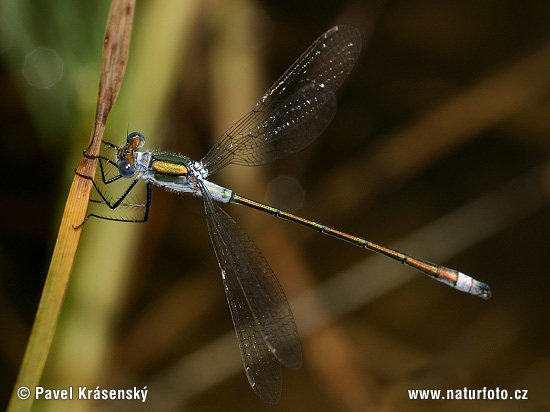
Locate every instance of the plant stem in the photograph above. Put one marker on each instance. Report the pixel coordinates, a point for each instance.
(115, 57)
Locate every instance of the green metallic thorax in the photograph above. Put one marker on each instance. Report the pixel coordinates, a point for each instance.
(170, 165)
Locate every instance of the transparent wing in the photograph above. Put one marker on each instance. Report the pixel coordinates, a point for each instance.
(263, 321)
(262, 369)
(295, 110)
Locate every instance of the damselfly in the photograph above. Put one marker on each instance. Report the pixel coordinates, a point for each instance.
(291, 115)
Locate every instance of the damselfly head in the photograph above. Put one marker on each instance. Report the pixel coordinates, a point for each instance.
(135, 140)
(127, 154)
(126, 168)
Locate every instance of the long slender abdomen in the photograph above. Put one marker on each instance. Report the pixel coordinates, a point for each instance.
(451, 277)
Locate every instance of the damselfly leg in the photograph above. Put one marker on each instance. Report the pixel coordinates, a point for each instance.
(119, 201)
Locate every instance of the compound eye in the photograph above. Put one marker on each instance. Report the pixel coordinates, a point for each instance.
(136, 140)
(126, 169)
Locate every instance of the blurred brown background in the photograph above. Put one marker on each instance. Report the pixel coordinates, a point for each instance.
(440, 145)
